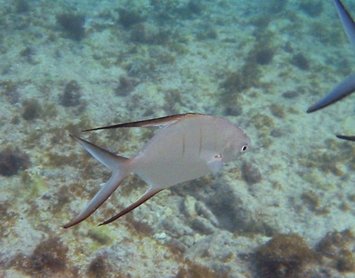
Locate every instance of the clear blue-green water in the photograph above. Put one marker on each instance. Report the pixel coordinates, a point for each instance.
(285, 208)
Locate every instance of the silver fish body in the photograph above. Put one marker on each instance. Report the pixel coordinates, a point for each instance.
(185, 147)
(188, 149)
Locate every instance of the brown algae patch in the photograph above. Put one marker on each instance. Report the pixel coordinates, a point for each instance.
(13, 160)
(337, 249)
(284, 256)
(98, 267)
(290, 256)
(193, 270)
(48, 258)
(327, 161)
(31, 110)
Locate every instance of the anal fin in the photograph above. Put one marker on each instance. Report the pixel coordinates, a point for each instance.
(146, 196)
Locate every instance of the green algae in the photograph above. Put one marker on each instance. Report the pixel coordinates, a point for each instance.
(277, 110)
(313, 202)
(101, 235)
(249, 75)
(36, 184)
(315, 179)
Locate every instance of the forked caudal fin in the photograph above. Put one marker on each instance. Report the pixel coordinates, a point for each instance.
(346, 20)
(343, 89)
(347, 86)
(120, 169)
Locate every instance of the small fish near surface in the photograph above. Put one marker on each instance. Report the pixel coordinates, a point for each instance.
(185, 147)
(347, 86)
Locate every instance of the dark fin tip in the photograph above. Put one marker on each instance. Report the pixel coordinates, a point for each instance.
(344, 137)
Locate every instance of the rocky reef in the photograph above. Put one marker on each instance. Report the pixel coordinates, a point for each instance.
(283, 209)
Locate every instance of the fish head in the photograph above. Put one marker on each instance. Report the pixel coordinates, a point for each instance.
(236, 143)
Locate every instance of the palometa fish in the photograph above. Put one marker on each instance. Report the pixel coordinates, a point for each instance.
(186, 147)
(347, 86)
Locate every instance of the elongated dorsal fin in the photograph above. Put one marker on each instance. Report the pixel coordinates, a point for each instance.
(156, 122)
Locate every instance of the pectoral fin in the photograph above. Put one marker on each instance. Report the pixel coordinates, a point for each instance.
(215, 164)
(146, 196)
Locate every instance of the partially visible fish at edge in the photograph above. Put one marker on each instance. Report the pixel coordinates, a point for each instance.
(185, 147)
(347, 86)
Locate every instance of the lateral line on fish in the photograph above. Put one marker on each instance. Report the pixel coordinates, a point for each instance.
(200, 142)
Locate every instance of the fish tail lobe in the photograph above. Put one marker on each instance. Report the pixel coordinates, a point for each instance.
(120, 167)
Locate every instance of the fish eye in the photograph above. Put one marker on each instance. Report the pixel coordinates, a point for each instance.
(244, 148)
